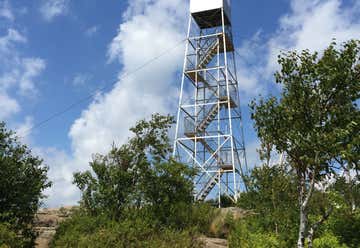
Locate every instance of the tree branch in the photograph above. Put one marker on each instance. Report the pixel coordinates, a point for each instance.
(316, 225)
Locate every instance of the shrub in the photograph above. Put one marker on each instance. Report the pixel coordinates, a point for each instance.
(328, 240)
(140, 174)
(346, 226)
(89, 231)
(137, 196)
(245, 237)
(8, 238)
(202, 216)
(272, 195)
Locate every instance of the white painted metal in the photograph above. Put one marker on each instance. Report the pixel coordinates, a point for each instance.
(182, 86)
(205, 5)
(209, 133)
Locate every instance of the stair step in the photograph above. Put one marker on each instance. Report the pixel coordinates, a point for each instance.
(209, 56)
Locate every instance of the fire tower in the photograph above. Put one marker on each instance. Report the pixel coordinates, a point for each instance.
(209, 134)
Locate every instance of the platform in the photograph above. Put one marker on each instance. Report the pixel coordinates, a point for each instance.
(210, 18)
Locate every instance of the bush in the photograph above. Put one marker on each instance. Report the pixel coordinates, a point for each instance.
(137, 196)
(346, 226)
(9, 238)
(140, 175)
(272, 195)
(86, 231)
(202, 217)
(328, 240)
(245, 237)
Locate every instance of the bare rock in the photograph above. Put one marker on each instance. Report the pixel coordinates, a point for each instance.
(214, 242)
(46, 222)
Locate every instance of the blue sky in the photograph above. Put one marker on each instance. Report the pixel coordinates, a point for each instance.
(55, 52)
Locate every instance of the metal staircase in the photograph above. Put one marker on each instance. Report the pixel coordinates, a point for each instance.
(206, 55)
(205, 116)
(203, 123)
(209, 54)
(200, 130)
(209, 109)
(205, 191)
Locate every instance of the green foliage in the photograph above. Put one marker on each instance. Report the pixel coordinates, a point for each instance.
(316, 121)
(346, 226)
(202, 216)
(328, 241)
(23, 179)
(9, 238)
(140, 174)
(349, 191)
(137, 230)
(272, 196)
(136, 196)
(245, 235)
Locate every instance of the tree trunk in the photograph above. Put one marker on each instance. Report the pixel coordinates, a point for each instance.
(302, 227)
(303, 215)
(304, 198)
(310, 238)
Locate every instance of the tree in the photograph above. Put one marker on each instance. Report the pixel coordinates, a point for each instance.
(23, 179)
(271, 196)
(316, 121)
(139, 175)
(137, 196)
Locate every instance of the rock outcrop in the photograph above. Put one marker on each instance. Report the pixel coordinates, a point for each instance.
(214, 242)
(46, 222)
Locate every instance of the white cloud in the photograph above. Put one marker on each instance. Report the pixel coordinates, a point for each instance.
(81, 79)
(63, 192)
(17, 73)
(22, 74)
(151, 89)
(141, 37)
(5, 11)
(54, 8)
(92, 31)
(312, 25)
(22, 129)
(309, 25)
(8, 106)
(32, 67)
(8, 42)
(249, 69)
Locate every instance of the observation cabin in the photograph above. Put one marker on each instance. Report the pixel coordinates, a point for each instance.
(207, 13)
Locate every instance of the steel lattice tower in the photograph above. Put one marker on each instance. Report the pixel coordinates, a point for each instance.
(209, 134)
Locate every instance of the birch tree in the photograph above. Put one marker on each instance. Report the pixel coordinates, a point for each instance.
(315, 121)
